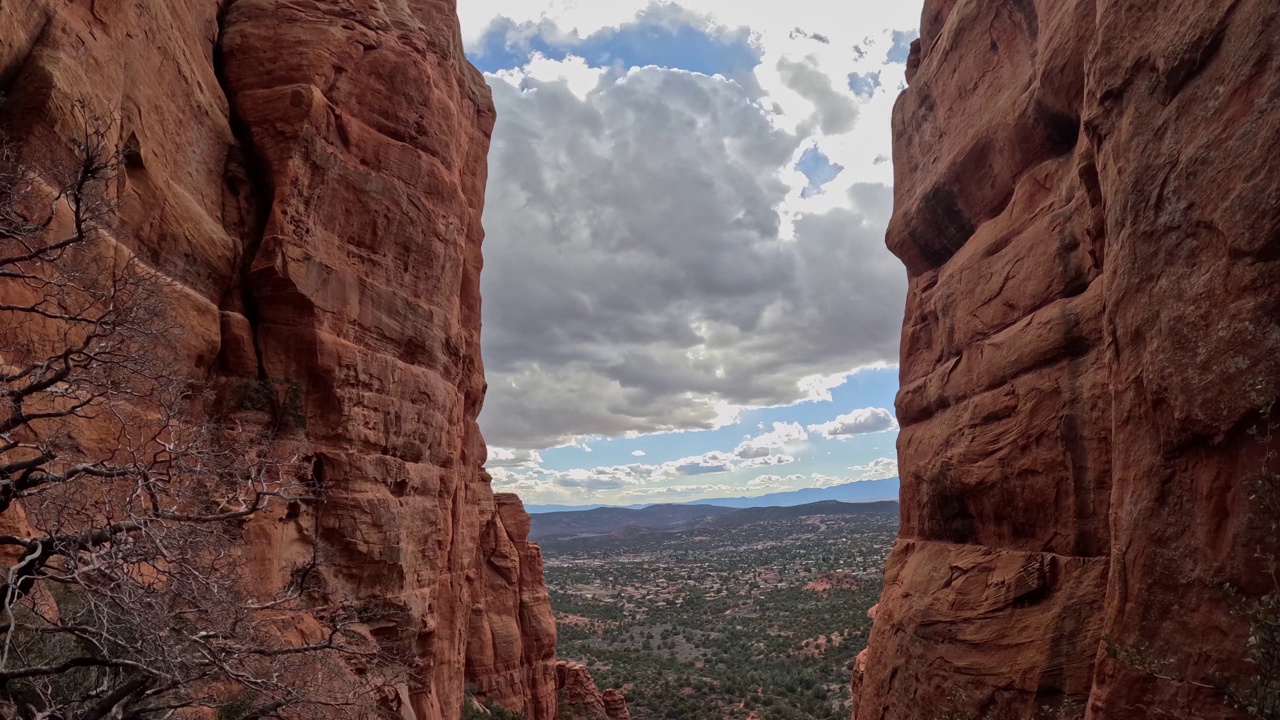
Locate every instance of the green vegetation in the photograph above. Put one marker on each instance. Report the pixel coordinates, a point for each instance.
(758, 621)
(282, 399)
(1068, 710)
(1260, 697)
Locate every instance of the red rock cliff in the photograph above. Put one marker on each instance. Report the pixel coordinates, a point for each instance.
(312, 174)
(1088, 207)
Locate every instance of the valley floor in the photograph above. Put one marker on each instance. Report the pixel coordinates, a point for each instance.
(759, 621)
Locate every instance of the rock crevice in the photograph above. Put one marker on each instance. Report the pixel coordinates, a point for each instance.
(246, 206)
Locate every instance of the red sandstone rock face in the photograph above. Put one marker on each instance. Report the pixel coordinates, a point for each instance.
(578, 691)
(312, 175)
(1087, 208)
(511, 646)
(582, 699)
(615, 706)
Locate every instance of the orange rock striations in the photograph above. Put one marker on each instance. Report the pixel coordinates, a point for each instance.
(1087, 205)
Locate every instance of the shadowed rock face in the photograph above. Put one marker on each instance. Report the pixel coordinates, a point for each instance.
(312, 175)
(1088, 206)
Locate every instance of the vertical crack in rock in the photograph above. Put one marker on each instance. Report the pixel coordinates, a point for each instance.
(247, 184)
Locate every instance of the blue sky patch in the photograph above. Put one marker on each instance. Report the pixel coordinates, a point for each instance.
(819, 169)
(901, 49)
(870, 387)
(648, 41)
(864, 85)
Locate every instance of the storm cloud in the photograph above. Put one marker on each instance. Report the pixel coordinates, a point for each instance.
(642, 271)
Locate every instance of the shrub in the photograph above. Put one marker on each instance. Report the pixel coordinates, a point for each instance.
(283, 399)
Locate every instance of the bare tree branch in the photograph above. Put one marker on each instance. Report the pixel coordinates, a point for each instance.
(126, 491)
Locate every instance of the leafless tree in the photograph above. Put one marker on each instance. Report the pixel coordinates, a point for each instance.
(124, 491)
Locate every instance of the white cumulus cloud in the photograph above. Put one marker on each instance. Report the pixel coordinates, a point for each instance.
(782, 435)
(877, 469)
(500, 457)
(858, 422)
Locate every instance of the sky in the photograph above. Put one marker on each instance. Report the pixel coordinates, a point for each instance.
(686, 289)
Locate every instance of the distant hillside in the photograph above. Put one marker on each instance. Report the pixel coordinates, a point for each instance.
(536, 509)
(747, 516)
(670, 518)
(854, 492)
(605, 520)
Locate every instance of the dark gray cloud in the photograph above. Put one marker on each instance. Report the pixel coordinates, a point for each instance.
(708, 464)
(816, 37)
(834, 110)
(636, 272)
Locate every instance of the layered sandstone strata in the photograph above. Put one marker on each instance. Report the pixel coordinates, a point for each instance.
(312, 174)
(511, 643)
(582, 699)
(1087, 202)
(615, 705)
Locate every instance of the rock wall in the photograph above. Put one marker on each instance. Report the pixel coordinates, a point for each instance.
(511, 648)
(1087, 203)
(312, 176)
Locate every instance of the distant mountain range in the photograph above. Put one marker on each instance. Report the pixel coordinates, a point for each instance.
(747, 516)
(668, 518)
(605, 520)
(855, 492)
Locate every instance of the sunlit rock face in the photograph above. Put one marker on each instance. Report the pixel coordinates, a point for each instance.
(1087, 205)
(312, 177)
(511, 642)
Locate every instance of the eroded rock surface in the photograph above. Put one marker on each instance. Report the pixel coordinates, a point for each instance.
(312, 174)
(615, 705)
(511, 646)
(1089, 211)
(582, 699)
